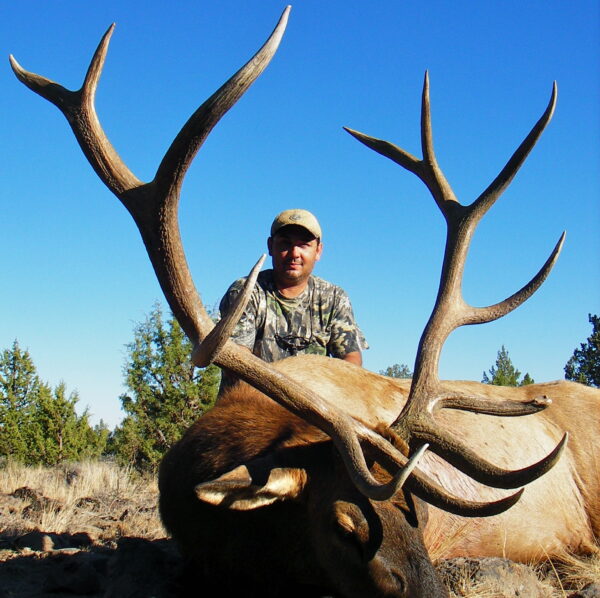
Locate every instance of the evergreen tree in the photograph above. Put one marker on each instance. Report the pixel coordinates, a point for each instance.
(38, 424)
(166, 394)
(527, 379)
(584, 365)
(19, 389)
(504, 372)
(58, 433)
(397, 370)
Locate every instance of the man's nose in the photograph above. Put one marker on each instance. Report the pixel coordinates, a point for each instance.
(295, 251)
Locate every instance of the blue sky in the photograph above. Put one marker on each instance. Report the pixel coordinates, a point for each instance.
(76, 276)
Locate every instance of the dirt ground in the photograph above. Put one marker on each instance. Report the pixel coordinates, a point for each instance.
(93, 531)
(83, 530)
(134, 567)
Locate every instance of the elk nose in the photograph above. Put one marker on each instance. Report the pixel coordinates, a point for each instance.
(392, 583)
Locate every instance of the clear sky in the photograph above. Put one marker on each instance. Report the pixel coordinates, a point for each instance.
(75, 275)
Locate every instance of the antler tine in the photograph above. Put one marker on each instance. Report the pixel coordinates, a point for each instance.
(90, 83)
(446, 445)
(426, 169)
(483, 203)
(78, 108)
(434, 495)
(207, 351)
(431, 174)
(482, 315)
(423, 486)
(428, 490)
(180, 154)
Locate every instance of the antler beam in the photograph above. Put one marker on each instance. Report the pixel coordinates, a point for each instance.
(153, 206)
(416, 423)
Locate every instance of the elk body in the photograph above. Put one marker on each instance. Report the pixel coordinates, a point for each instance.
(558, 512)
(312, 476)
(258, 499)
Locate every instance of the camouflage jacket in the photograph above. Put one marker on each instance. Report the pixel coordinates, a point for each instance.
(320, 320)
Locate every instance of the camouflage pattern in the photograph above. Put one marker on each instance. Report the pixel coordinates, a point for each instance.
(320, 320)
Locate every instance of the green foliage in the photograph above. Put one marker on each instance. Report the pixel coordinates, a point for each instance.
(38, 424)
(166, 392)
(584, 365)
(504, 372)
(19, 389)
(59, 434)
(398, 370)
(527, 379)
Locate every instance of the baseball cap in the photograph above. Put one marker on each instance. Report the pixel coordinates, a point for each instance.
(298, 217)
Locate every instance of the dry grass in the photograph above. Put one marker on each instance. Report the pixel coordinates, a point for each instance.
(109, 502)
(96, 497)
(571, 573)
(556, 578)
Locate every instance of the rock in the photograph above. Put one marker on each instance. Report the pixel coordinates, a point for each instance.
(37, 501)
(47, 541)
(74, 576)
(78, 540)
(88, 502)
(72, 474)
(501, 577)
(25, 493)
(35, 540)
(592, 590)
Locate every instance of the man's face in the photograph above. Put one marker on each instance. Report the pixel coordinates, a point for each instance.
(294, 251)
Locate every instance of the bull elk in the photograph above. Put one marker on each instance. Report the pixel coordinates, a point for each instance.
(305, 477)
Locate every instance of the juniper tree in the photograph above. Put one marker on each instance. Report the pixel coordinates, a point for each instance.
(39, 424)
(397, 370)
(19, 388)
(166, 392)
(504, 372)
(58, 433)
(584, 365)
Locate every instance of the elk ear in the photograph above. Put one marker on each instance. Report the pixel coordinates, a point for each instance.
(239, 490)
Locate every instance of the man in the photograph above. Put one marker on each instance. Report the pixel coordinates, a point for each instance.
(290, 310)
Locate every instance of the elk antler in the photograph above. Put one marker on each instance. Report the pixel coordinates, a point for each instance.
(416, 423)
(153, 206)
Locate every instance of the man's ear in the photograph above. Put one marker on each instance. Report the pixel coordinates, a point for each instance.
(319, 250)
(270, 245)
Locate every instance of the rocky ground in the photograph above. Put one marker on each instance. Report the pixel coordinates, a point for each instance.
(92, 530)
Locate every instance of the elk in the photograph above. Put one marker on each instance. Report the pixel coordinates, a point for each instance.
(306, 477)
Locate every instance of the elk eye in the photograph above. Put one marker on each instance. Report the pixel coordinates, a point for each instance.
(347, 535)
